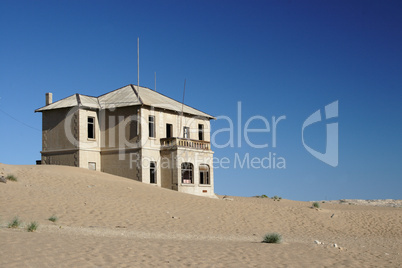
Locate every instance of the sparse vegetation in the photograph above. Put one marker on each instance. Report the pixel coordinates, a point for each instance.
(276, 198)
(316, 205)
(32, 226)
(261, 196)
(15, 223)
(11, 177)
(53, 218)
(274, 238)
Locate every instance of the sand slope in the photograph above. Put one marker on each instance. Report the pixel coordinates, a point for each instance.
(109, 221)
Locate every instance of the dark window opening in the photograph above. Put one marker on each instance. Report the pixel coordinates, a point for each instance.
(152, 168)
(169, 130)
(204, 174)
(151, 120)
(91, 127)
(186, 132)
(201, 132)
(187, 173)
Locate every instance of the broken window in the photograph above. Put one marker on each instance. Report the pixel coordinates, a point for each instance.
(201, 132)
(152, 168)
(186, 132)
(204, 174)
(91, 127)
(187, 173)
(169, 130)
(151, 120)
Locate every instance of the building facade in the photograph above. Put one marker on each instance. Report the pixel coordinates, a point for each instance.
(132, 132)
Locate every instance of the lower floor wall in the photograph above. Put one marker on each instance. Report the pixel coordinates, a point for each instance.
(124, 164)
(183, 170)
(65, 159)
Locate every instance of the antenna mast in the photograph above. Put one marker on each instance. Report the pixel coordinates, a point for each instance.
(182, 107)
(138, 63)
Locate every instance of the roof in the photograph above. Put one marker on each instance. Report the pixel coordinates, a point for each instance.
(129, 95)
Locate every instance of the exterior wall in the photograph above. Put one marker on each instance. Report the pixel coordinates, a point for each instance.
(122, 145)
(196, 158)
(119, 128)
(178, 122)
(62, 158)
(89, 149)
(55, 134)
(122, 163)
(168, 167)
(148, 156)
(59, 133)
(169, 161)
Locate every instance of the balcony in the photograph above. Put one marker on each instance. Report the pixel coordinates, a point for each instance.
(174, 143)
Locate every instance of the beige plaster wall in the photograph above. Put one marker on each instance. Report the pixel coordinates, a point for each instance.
(55, 133)
(123, 163)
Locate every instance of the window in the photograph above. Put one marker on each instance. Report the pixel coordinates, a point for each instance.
(204, 174)
(91, 127)
(169, 130)
(151, 120)
(200, 132)
(152, 168)
(92, 165)
(186, 132)
(187, 173)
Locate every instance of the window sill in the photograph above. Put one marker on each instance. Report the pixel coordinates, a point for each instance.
(204, 185)
(91, 139)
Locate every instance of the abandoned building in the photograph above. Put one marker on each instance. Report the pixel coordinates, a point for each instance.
(134, 132)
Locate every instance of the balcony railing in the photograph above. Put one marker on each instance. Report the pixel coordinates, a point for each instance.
(174, 143)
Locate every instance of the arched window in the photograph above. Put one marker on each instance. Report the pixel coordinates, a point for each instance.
(204, 174)
(187, 173)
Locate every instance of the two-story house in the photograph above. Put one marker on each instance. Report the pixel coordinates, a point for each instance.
(133, 132)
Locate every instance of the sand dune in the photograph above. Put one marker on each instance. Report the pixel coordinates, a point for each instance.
(109, 221)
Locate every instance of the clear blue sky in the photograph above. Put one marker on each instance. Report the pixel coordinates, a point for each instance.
(277, 58)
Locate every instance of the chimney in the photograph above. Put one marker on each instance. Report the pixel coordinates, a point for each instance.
(49, 98)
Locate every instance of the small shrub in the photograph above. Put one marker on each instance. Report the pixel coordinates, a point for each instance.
(261, 196)
(53, 218)
(276, 198)
(274, 238)
(316, 205)
(15, 223)
(11, 177)
(32, 226)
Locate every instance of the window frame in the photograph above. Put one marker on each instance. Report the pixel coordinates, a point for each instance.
(151, 126)
(186, 132)
(201, 132)
(169, 130)
(187, 167)
(152, 173)
(93, 136)
(203, 172)
(93, 164)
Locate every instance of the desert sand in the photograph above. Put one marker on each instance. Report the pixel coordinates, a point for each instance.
(109, 221)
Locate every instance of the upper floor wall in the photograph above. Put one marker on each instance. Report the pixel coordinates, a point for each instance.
(159, 124)
(124, 127)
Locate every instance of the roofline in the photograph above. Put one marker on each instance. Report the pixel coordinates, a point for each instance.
(212, 117)
(135, 92)
(36, 111)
